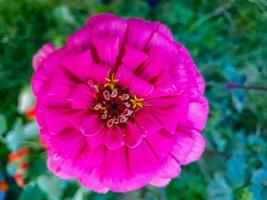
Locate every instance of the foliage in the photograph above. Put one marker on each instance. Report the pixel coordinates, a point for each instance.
(227, 39)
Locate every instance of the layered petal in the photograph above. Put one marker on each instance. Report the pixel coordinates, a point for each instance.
(42, 54)
(129, 72)
(91, 125)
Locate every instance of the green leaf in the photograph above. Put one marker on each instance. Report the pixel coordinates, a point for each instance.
(50, 185)
(259, 177)
(3, 124)
(15, 136)
(20, 133)
(81, 194)
(219, 189)
(32, 191)
(236, 169)
(26, 100)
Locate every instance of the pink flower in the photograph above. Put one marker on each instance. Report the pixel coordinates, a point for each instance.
(120, 105)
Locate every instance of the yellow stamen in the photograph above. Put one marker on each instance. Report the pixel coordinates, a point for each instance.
(111, 82)
(137, 102)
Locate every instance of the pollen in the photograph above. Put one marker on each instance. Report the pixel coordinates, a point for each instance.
(115, 105)
(137, 102)
(111, 82)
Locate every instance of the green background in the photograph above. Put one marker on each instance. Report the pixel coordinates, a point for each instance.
(228, 41)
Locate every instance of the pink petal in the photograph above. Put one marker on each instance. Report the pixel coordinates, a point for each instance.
(137, 86)
(179, 75)
(197, 114)
(170, 168)
(81, 65)
(119, 173)
(79, 40)
(52, 120)
(114, 168)
(138, 164)
(107, 25)
(91, 125)
(81, 97)
(96, 157)
(189, 147)
(57, 92)
(96, 184)
(42, 54)
(161, 142)
(160, 182)
(167, 116)
(132, 135)
(52, 62)
(147, 122)
(107, 49)
(174, 108)
(96, 140)
(69, 143)
(160, 45)
(56, 124)
(75, 118)
(152, 68)
(113, 138)
(59, 165)
(39, 80)
(136, 28)
(132, 57)
(49, 66)
(164, 30)
(166, 84)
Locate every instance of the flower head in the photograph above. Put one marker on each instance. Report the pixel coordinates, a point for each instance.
(120, 105)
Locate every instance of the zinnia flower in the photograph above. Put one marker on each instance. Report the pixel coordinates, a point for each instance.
(120, 105)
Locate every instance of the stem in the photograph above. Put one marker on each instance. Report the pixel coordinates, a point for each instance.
(232, 86)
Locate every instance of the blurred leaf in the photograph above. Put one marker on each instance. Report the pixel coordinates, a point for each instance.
(219, 189)
(236, 169)
(31, 130)
(26, 100)
(32, 191)
(81, 194)
(50, 186)
(20, 133)
(239, 99)
(15, 136)
(3, 124)
(259, 177)
(244, 194)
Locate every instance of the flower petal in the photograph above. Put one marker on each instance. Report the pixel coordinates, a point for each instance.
(91, 125)
(132, 57)
(138, 27)
(161, 142)
(96, 140)
(136, 85)
(107, 25)
(42, 54)
(152, 68)
(189, 147)
(113, 138)
(81, 97)
(79, 40)
(79, 64)
(197, 114)
(132, 135)
(107, 49)
(82, 66)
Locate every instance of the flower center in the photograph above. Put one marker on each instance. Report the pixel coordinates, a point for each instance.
(115, 105)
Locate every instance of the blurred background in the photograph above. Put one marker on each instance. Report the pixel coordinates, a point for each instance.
(228, 41)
